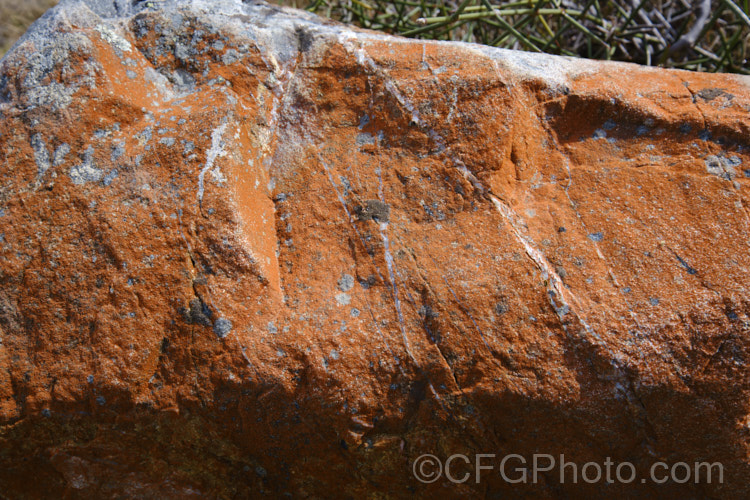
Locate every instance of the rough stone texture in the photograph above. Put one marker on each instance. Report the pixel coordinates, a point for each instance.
(245, 251)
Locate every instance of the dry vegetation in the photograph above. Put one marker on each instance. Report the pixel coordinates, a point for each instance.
(702, 35)
(16, 16)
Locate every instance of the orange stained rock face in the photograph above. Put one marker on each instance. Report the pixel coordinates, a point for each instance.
(244, 251)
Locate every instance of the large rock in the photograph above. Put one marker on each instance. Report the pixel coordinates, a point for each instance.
(247, 251)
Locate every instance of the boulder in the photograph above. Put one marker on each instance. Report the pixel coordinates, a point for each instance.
(245, 251)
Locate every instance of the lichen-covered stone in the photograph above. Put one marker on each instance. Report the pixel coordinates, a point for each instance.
(246, 251)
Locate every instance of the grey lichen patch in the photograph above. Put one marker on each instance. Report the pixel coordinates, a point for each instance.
(183, 81)
(86, 171)
(721, 166)
(596, 237)
(145, 135)
(374, 210)
(343, 299)
(502, 307)
(222, 327)
(231, 56)
(47, 56)
(710, 94)
(60, 153)
(345, 282)
(183, 52)
(161, 83)
(560, 270)
(111, 175)
(364, 138)
(102, 133)
(41, 155)
(118, 150)
(600, 134)
(115, 40)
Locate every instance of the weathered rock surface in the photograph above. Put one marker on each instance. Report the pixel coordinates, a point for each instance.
(245, 251)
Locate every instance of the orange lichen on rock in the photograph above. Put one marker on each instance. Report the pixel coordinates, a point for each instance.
(246, 251)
